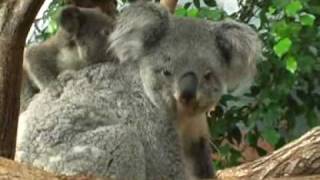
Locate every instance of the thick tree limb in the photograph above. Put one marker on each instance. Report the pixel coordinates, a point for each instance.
(16, 17)
(15, 171)
(300, 157)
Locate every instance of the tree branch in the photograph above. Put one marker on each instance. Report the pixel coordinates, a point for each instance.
(16, 17)
(15, 171)
(300, 157)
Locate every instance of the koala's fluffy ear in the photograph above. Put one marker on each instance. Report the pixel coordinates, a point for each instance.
(69, 19)
(138, 28)
(240, 47)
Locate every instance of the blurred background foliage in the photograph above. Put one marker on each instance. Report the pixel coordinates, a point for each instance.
(284, 101)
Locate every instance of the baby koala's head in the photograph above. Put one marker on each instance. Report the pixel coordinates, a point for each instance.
(83, 30)
(185, 64)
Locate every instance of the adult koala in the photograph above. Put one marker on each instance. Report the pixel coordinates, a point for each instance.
(78, 43)
(144, 119)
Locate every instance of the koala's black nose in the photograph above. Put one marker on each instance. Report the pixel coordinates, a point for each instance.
(188, 87)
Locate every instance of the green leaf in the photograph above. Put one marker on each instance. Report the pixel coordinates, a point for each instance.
(181, 12)
(293, 8)
(192, 12)
(307, 19)
(312, 119)
(280, 4)
(52, 27)
(252, 139)
(281, 28)
(187, 5)
(282, 47)
(284, 29)
(271, 136)
(291, 64)
(271, 10)
(211, 14)
(196, 3)
(210, 3)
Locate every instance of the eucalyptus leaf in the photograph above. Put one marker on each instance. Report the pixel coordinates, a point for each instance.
(293, 8)
(307, 19)
(271, 136)
(282, 47)
(291, 64)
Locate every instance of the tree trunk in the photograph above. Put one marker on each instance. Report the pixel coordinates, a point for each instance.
(16, 17)
(300, 157)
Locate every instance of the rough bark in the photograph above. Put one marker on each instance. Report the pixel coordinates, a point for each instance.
(15, 171)
(16, 17)
(300, 157)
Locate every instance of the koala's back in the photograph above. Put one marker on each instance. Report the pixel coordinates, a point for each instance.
(76, 125)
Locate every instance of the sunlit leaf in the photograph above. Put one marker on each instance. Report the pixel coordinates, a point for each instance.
(282, 47)
(271, 10)
(291, 64)
(293, 8)
(192, 12)
(307, 19)
(181, 12)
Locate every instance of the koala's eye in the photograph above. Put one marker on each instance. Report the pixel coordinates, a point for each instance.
(208, 76)
(166, 73)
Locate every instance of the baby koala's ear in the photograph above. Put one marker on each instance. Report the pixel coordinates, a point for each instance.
(240, 47)
(138, 27)
(69, 19)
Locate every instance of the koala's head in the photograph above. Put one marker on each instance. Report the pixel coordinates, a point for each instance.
(84, 30)
(185, 64)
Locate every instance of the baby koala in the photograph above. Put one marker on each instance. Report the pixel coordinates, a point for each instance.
(186, 65)
(79, 42)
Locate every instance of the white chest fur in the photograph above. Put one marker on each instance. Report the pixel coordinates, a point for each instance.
(72, 58)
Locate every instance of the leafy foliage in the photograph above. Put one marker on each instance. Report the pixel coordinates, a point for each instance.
(46, 25)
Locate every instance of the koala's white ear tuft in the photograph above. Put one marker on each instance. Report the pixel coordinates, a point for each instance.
(139, 27)
(69, 19)
(240, 47)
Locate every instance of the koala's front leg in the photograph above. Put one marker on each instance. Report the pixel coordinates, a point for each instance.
(200, 154)
(40, 67)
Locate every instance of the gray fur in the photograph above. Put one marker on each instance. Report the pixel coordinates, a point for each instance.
(79, 42)
(137, 107)
(217, 57)
(103, 110)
